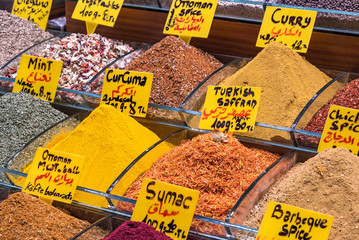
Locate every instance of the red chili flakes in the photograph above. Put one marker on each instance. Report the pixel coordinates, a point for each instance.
(177, 67)
(220, 171)
(348, 96)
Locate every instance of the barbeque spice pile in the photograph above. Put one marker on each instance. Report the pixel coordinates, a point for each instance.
(26, 217)
(220, 171)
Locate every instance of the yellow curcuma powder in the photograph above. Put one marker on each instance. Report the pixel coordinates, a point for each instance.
(110, 141)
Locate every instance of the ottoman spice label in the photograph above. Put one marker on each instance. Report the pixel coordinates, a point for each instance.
(128, 91)
(341, 129)
(282, 221)
(34, 11)
(190, 18)
(38, 77)
(291, 27)
(54, 175)
(230, 109)
(166, 207)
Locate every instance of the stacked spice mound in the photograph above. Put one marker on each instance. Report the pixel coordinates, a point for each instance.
(177, 69)
(26, 217)
(17, 34)
(220, 171)
(326, 183)
(22, 117)
(131, 230)
(288, 82)
(83, 56)
(345, 97)
(110, 141)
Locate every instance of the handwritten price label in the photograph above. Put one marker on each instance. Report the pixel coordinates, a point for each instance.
(38, 77)
(96, 12)
(128, 91)
(54, 175)
(190, 18)
(230, 109)
(341, 129)
(166, 207)
(291, 27)
(34, 11)
(285, 222)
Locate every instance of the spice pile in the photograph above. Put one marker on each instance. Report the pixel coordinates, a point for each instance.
(83, 57)
(177, 69)
(22, 117)
(220, 171)
(16, 35)
(26, 217)
(288, 82)
(131, 230)
(110, 141)
(326, 183)
(345, 97)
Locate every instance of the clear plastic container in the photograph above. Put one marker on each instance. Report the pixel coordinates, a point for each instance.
(311, 139)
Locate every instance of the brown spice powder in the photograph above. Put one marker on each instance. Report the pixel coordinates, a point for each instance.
(326, 183)
(177, 68)
(24, 216)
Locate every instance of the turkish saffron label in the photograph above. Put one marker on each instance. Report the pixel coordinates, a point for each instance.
(285, 222)
(230, 109)
(291, 27)
(166, 207)
(341, 129)
(128, 91)
(38, 77)
(190, 18)
(94, 12)
(54, 175)
(34, 11)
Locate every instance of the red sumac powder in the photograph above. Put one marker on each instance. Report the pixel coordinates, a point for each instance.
(177, 68)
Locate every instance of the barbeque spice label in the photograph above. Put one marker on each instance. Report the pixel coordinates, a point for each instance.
(103, 12)
(190, 18)
(34, 11)
(285, 222)
(341, 129)
(128, 91)
(166, 207)
(38, 77)
(54, 175)
(230, 109)
(291, 27)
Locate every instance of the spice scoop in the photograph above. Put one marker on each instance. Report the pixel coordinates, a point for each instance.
(218, 136)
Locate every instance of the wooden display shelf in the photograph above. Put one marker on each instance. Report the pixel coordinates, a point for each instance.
(227, 37)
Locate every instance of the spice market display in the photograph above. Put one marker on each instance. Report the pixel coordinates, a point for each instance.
(270, 164)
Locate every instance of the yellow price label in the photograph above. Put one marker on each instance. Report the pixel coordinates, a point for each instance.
(38, 77)
(341, 129)
(128, 91)
(285, 222)
(54, 175)
(96, 12)
(291, 27)
(34, 11)
(190, 18)
(166, 207)
(230, 109)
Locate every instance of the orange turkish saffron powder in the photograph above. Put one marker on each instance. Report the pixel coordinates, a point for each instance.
(220, 171)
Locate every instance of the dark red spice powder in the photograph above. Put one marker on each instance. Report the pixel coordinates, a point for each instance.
(348, 96)
(177, 68)
(131, 230)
